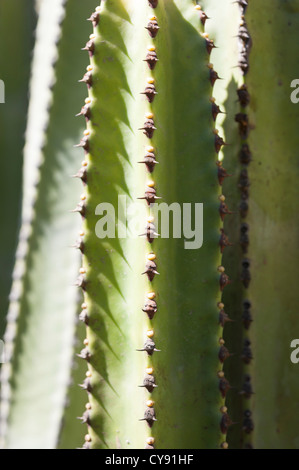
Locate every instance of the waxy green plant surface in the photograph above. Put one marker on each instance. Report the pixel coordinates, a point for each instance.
(167, 120)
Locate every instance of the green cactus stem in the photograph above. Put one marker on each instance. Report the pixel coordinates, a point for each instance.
(273, 221)
(162, 307)
(262, 300)
(41, 320)
(12, 123)
(150, 87)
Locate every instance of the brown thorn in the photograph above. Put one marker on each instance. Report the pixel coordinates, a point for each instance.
(149, 161)
(222, 173)
(203, 17)
(245, 155)
(90, 47)
(247, 352)
(150, 232)
(223, 318)
(149, 383)
(95, 19)
(85, 111)
(244, 237)
(81, 282)
(246, 315)
(151, 270)
(248, 425)
(224, 281)
(153, 3)
(214, 76)
(85, 354)
(223, 354)
(210, 45)
(149, 416)
(247, 390)
(243, 95)
(242, 120)
(149, 346)
(86, 385)
(84, 317)
(150, 93)
(150, 196)
(82, 174)
(87, 78)
(223, 210)
(245, 274)
(243, 4)
(224, 241)
(84, 143)
(244, 183)
(153, 28)
(150, 308)
(80, 208)
(151, 59)
(243, 206)
(224, 386)
(225, 423)
(85, 418)
(215, 111)
(149, 128)
(219, 142)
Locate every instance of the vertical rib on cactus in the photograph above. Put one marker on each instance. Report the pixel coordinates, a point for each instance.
(225, 60)
(43, 301)
(265, 173)
(273, 221)
(187, 369)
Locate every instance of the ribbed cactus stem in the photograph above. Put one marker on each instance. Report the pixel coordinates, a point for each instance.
(33, 159)
(14, 95)
(273, 221)
(150, 136)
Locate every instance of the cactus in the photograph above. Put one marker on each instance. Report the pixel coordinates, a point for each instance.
(46, 235)
(186, 290)
(273, 224)
(262, 296)
(175, 345)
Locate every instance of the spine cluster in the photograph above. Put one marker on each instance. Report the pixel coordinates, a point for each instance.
(150, 306)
